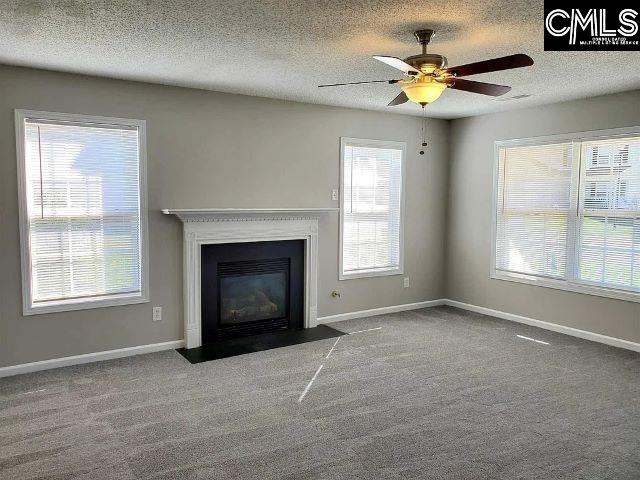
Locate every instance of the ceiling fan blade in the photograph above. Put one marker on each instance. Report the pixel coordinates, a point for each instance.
(397, 63)
(494, 65)
(358, 83)
(476, 87)
(400, 99)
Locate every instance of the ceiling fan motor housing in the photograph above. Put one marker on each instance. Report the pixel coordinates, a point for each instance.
(427, 62)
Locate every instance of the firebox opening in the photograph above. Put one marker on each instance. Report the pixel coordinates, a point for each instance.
(251, 288)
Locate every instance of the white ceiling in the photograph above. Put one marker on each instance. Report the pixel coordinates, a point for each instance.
(285, 48)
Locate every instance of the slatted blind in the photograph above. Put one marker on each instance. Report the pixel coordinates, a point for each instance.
(534, 197)
(83, 207)
(371, 207)
(609, 242)
(574, 220)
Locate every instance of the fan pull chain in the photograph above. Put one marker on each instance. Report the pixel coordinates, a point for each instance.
(424, 128)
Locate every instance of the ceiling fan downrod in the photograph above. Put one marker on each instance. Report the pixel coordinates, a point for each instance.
(424, 38)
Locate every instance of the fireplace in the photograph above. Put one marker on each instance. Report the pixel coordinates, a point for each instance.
(250, 288)
(215, 226)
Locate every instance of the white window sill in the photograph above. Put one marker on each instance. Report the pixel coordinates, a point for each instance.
(583, 288)
(84, 303)
(370, 273)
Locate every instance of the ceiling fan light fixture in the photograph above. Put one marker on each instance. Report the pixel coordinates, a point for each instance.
(430, 74)
(424, 90)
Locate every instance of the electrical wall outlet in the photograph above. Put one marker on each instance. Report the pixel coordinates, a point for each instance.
(157, 314)
(334, 194)
(406, 282)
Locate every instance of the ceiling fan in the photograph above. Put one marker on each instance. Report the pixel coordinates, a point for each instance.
(427, 74)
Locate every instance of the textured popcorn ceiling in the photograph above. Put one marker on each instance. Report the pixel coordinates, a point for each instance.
(284, 48)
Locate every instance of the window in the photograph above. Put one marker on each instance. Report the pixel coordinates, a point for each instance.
(372, 178)
(568, 212)
(82, 211)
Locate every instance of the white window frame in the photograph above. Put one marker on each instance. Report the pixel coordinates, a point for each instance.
(344, 141)
(573, 243)
(28, 308)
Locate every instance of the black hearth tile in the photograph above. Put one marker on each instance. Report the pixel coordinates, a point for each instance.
(257, 343)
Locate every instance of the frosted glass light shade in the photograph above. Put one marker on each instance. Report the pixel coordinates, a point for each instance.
(424, 90)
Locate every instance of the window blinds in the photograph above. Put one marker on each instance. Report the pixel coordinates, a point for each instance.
(570, 212)
(609, 240)
(371, 208)
(83, 208)
(534, 196)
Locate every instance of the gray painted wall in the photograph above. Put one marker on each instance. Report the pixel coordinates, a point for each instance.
(209, 149)
(469, 215)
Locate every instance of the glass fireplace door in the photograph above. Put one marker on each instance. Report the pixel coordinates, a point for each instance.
(250, 298)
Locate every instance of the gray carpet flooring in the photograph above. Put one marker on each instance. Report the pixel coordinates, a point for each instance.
(432, 394)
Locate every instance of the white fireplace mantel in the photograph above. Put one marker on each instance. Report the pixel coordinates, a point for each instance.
(233, 225)
(217, 214)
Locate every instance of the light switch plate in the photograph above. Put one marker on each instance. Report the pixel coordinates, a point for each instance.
(334, 194)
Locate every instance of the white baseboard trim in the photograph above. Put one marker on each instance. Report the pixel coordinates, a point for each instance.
(554, 327)
(88, 358)
(156, 347)
(380, 311)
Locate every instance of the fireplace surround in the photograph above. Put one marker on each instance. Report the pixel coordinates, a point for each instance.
(203, 227)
